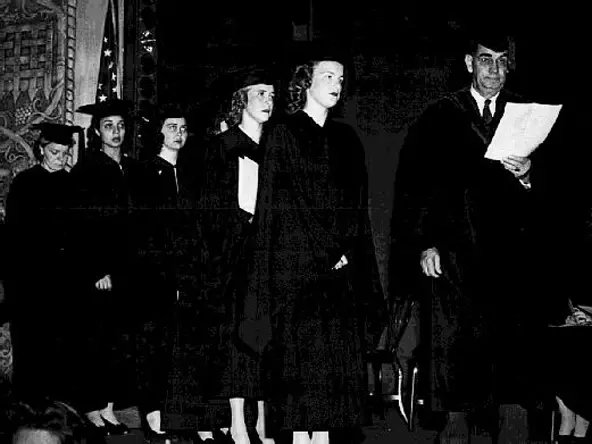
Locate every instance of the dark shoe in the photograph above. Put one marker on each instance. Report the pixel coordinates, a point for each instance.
(115, 429)
(197, 440)
(254, 436)
(564, 439)
(98, 431)
(222, 438)
(154, 437)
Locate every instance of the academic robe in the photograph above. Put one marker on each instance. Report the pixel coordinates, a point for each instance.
(310, 323)
(476, 324)
(208, 322)
(157, 226)
(103, 191)
(38, 223)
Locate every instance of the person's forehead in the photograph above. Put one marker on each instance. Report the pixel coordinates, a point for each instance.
(485, 51)
(261, 87)
(113, 118)
(57, 146)
(175, 121)
(329, 66)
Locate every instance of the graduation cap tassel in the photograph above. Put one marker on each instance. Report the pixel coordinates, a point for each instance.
(81, 145)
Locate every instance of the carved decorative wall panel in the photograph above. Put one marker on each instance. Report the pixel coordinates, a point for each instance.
(142, 67)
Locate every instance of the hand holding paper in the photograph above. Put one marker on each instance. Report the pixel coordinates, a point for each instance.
(523, 127)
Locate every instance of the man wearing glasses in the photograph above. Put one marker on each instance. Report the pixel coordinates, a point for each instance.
(460, 226)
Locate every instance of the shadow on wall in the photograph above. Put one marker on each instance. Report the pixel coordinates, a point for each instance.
(390, 97)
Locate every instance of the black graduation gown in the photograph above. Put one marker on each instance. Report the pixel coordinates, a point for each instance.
(39, 291)
(208, 322)
(156, 228)
(103, 189)
(156, 221)
(476, 323)
(310, 322)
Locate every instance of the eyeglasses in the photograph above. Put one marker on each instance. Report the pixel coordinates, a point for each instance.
(502, 62)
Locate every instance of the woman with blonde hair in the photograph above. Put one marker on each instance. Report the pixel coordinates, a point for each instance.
(227, 207)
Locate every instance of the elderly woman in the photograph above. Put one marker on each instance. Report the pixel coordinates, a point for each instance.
(37, 223)
(314, 292)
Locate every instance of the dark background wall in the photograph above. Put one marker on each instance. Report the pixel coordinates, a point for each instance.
(404, 56)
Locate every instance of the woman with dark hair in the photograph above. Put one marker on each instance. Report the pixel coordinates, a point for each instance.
(158, 227)
(103, 183)
(38, 221)
(227, 207)
(313, 292)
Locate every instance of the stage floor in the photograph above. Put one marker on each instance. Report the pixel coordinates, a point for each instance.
(389, 431)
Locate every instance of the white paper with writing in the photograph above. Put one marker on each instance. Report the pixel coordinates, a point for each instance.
(522, 128)
(248, 173)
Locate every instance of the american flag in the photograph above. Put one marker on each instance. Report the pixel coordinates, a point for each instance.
(107, 88)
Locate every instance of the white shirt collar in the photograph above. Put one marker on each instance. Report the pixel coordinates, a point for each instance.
(481, 101)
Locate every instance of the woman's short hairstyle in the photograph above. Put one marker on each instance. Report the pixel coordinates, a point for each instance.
(300, 82)
(170, 111)
(302, 77)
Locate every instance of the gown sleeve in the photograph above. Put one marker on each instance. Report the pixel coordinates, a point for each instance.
(19, 223)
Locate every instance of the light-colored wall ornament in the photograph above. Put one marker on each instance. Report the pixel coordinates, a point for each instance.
(37, 49)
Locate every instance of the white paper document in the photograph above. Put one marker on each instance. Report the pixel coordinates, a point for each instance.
(522, 128)
(248, 173)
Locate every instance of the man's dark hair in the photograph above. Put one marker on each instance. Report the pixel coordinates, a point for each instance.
(494, 37)
(497, 43)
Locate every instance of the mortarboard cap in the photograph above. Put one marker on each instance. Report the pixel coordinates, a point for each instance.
(171, 110)
(114, 107)
(58, 133)
(494, 38)
(253, 75)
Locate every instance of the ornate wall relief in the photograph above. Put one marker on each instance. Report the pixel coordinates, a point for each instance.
(142, 63)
